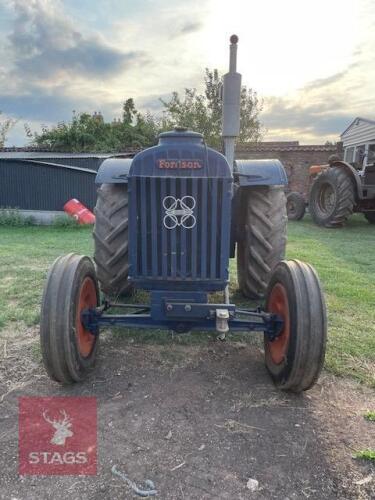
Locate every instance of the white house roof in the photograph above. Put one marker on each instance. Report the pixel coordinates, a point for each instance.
(360, 131)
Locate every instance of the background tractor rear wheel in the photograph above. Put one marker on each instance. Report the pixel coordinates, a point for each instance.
(261, 237)
(111, 239)
(332, 197)
(370, 216)
(68, 349)
(295, 206)
(295, 358)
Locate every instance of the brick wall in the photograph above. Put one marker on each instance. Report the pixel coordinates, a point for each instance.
(296, 159)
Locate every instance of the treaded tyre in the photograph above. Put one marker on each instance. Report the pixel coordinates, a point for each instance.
(295, 206)
(370, 216)
(332, 197)
(261, 237)
(295, 358)
(68, 349)
(111, 239)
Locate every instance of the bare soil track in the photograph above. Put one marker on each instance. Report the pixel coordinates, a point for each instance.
(210, 407)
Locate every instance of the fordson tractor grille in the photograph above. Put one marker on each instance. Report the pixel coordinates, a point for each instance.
(179, 229)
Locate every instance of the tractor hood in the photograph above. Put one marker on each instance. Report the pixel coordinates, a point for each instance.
(180, 153)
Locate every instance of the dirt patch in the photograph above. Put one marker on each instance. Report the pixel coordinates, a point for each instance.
(339, 407)
(200, 421)
(19, 361)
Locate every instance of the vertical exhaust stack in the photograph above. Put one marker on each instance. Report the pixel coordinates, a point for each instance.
(231, 103)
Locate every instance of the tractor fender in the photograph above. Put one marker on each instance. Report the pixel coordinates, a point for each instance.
(260, 173)
(352, 172)
(114, 171)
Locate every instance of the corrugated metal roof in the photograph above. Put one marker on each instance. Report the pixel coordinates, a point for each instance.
(261, 148)
(41, 154)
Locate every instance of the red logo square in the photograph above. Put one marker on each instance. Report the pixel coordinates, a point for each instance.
(57, 436)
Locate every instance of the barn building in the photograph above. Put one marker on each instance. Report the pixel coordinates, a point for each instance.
(359, 141)
(39, 184)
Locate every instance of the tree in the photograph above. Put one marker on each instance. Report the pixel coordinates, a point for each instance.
(129, 113)
(202, 111)
(198, 111)
(5, 126)
(87, 132)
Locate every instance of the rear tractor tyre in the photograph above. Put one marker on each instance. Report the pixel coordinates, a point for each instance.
(261, 237)
(370, 216)
(332, 197)
(68, 349)
(111, 235)
(295, 358)
(295, 206)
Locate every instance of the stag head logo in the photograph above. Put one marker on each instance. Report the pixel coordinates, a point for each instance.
(62, 427)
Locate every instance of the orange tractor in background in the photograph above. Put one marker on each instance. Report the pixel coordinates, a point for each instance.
(337, 190)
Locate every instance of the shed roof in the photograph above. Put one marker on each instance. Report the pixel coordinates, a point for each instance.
(356, 121)
(282, 146)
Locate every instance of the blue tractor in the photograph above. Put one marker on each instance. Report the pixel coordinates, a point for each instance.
(168, 221)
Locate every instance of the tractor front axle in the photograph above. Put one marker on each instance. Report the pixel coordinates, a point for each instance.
(183, 318)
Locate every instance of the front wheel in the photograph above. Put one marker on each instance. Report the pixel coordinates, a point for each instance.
(68, 349)
(295, 358)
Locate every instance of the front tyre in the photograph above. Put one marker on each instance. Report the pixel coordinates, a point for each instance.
(295, 358)
(68, 349)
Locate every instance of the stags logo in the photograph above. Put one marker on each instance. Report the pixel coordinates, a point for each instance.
(62, 428)
(57, 436)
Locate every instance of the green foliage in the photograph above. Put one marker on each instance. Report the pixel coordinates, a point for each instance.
(12, 217)
(91, 133)
(202, 111)
(5, 126)
(370, 415)
(344, 261)
(65, 221)
(366, 454)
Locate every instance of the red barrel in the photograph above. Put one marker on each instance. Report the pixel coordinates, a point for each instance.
(79, 212)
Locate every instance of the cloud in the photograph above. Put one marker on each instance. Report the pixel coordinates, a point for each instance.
(60, 55)
(335, 78)
(46, 44)
(301, 119)
(190, 27)
(300, 114)
(323, 82)
(324, 107)
(40, 105)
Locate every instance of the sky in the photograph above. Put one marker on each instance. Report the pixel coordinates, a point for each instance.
(311, 61)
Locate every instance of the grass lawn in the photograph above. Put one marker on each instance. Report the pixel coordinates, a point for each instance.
(344, 259)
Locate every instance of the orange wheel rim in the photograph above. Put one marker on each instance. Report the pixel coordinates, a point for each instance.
(87, 299)
(278, 304)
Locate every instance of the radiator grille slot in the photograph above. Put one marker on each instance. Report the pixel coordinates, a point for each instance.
(179, 253)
